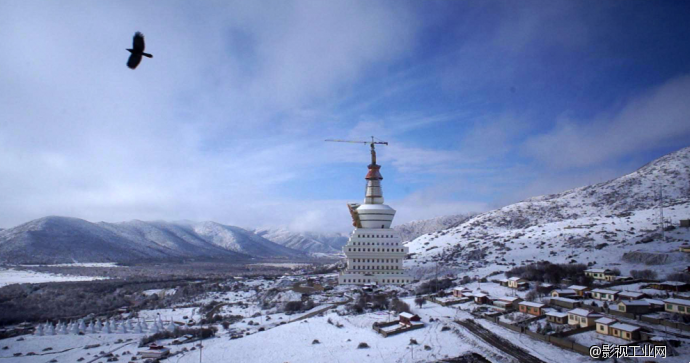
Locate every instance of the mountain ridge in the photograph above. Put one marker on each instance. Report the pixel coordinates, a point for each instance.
(55, 239)
(603, 224)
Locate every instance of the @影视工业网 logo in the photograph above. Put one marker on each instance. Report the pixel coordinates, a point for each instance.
(623, 351)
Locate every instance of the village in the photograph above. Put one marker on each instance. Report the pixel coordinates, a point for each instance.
(495, 317)
(369, 308)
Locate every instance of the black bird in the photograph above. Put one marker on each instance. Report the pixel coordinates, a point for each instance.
(137, 51)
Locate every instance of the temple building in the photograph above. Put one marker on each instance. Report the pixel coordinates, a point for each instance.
(375, 252)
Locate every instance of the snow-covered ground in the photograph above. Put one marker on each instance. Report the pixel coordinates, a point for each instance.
(10, 276)
(268, 335)
(282, 264)
(65, 348)
(590, 338)
(293, 342)
(78, 264)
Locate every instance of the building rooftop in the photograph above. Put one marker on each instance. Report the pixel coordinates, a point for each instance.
(532, 304)
(564, 299)
(577, 287)
(625, 327)
(673, 283)
(606, 321)
(635, 303)
(606, 291)
(565, 291)
(631, 294)
(583, 312)
(677, 301)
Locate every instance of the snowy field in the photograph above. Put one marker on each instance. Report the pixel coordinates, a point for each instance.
(10, 276)
(590, 338)
(78, 264)
(65, 348)
(293, 342)
(282, 264)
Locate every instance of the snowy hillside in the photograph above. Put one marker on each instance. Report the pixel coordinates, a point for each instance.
(241, 240)
(411, 230)
(65, 240)
(310, 242)
(615, 223)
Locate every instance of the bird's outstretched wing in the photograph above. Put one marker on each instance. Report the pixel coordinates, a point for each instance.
(138, 42)
(134, 60)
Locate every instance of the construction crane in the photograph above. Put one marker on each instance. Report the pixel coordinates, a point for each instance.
(371, 143)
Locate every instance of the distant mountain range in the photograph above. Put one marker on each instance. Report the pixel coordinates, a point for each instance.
(608, 224)
(611, 224)
(66, 240)
(310, 242)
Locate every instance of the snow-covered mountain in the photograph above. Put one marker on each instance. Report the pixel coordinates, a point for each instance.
(411, 230)
(615, 223)
(242, 241)
(65, 240)
(310, 242)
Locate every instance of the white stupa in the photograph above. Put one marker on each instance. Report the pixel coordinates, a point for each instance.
(75, 329)
(144, 325)
(171, 327)
(122, 329)
(50, 330)
(154, 328)
(375, 252)
(82, 326)
(39, 330)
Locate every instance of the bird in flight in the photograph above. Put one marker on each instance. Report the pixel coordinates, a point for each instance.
(137, 51)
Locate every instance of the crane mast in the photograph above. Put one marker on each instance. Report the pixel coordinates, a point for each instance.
(371, 143)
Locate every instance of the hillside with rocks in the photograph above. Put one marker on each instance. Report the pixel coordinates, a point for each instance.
(611, 224)
(411, 230)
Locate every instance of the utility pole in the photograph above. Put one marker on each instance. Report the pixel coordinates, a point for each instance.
(661, 212)
(436, 279)
(201, 343)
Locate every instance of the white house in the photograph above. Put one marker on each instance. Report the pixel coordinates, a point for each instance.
(605, 294)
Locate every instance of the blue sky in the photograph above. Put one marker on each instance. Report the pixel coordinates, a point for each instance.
(484, 103)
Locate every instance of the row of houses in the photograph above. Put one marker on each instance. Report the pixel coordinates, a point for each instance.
(610, 326)
(604, 274)
(501, 303)
(583, 318)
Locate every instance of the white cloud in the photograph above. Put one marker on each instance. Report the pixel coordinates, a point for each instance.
(207, 129)
(658, 117)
